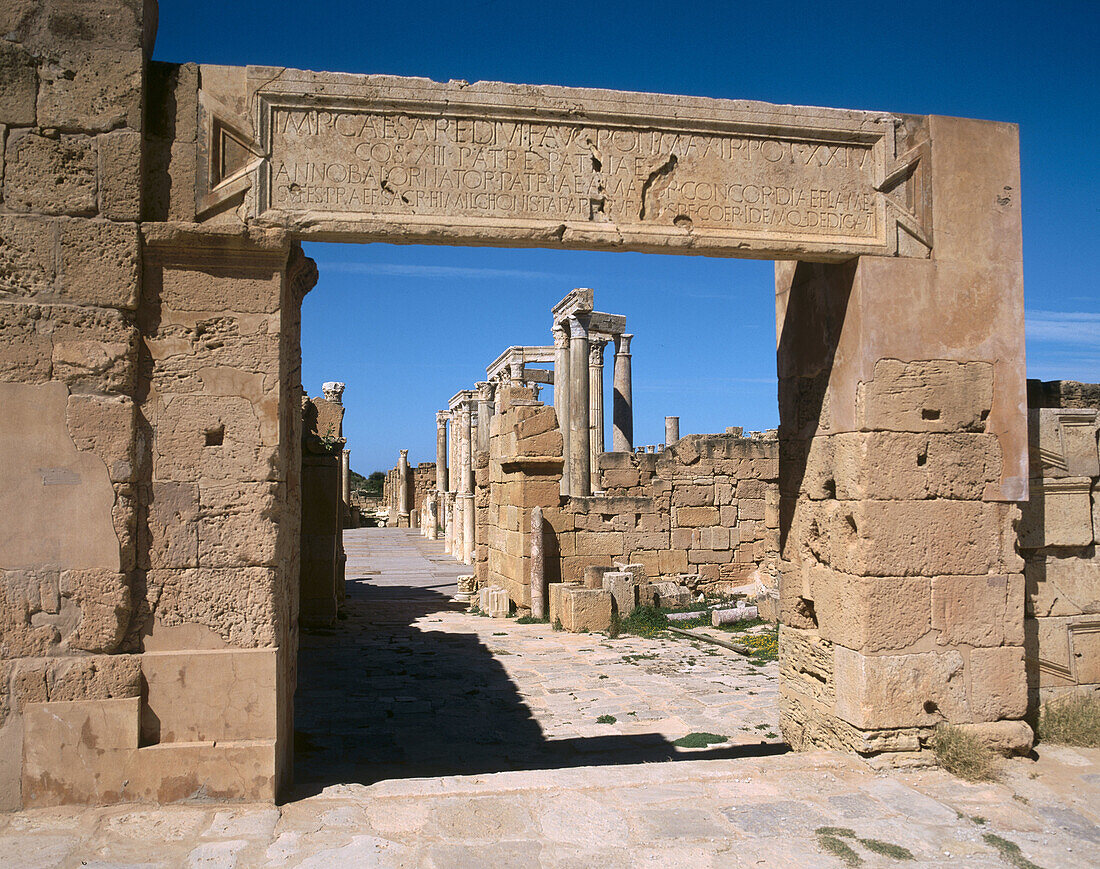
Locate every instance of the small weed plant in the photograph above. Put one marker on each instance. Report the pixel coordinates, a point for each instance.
(698, 740)
(1071, 720)
(1009, 851)
(831, 840)
(531, 620)
(606, 719)
(963, 754)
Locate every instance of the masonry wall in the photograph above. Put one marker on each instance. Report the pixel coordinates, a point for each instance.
(420, 482)
(1058, 538)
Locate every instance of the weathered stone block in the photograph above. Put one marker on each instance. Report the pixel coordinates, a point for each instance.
(28, 256)
(998, 683)
(934, 395)
(50, 176)
(213, 438)
(120, 175)
(624, 592)
(104, 425)
(874, 691)
(92, 91)
(972, 610)
(580, 609)
(600, 543)
(694, 517)
(693, 496)
(494, 600)
(1062, 442)
(102, 598)
(233, 526)
(671, 561)
(18, 85)
(99, 263)
(871, 614)
(237, 604)
(173, 525)
(1058, 513)
(250, 291)
(1062, 585)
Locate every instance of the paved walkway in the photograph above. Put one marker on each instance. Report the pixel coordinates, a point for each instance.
(499, 720)
(410, 684)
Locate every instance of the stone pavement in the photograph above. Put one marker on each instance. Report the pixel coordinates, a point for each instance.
(410, 684)
(498, 722)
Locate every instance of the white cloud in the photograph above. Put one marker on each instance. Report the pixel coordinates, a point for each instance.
(400, 270)
(1066, 327)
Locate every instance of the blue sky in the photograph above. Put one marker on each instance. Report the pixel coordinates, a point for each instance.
(406, 327)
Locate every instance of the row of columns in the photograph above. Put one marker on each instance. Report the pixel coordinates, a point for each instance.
(578, 399)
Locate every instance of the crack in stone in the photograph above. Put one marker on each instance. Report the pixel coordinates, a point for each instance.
(662, 171)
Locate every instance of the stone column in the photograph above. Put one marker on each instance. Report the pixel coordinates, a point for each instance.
(595, 408)
(440, 467)
(466, 481)
(672, 429)
(345, 478)
(622, 401)
(403, 488)
(538, 573)
(580, 437)
(484, 414)
(561, 397)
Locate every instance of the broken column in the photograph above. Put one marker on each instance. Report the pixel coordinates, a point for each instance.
(538, 572)
(622, 409)
(672, 429)
(595, 407)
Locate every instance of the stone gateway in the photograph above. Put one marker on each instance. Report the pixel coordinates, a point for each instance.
(150, 380)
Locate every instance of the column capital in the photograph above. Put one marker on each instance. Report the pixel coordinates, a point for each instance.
(578, 326)
(404, 455)
(442, 416)
(595, 352)
(485, 390)
(346, 453)
(561, 337)
(622, 344)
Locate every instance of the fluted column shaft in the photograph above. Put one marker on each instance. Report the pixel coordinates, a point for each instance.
(345, 477)
(403, 484)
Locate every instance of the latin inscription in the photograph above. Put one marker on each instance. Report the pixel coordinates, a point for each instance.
(387, 163)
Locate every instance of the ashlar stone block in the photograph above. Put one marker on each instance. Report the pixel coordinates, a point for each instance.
(1058, 513)
(871, 614)
(91, 91)
(580, 609)
(935, 395)
(50, 175)
(976, 610)
(624, 592)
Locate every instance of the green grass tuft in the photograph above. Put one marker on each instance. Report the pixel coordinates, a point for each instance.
(1010, 852)
(531, 620)
(1073, 720)
(839, 849)
(698, 740)
(606, 719)
(963, 754)
(887, 848)
(836, 831)
(645, 621)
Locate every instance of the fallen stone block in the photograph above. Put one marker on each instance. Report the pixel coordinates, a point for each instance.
(624, 592)
(578, 608)
(467, 588)
(666, 594)
(593, 575)
(494, 601)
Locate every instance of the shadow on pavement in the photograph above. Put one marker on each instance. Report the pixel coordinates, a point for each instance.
(380, 698)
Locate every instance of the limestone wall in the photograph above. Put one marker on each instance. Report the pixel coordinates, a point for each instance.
(1058, 538)
(706, 507)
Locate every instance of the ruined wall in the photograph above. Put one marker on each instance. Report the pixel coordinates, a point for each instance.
(1058, 538)
(524, 470)
(321, 569)
(706, 506)
(420, 481)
